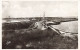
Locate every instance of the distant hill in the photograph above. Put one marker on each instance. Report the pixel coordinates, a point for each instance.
(55, 19)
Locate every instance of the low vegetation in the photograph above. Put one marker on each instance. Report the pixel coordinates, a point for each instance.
(37, 39)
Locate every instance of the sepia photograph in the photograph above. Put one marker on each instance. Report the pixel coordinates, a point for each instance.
(39, 25)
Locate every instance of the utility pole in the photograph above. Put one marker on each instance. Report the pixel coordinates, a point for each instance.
(44, 15)
(8, 19)
(43, 19)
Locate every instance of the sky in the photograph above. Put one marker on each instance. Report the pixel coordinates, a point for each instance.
(22, 9)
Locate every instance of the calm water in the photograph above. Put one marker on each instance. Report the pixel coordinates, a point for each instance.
(68, 26)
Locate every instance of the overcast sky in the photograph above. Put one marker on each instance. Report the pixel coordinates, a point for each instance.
(17, 9)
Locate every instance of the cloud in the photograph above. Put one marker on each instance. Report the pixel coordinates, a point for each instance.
(37, 8)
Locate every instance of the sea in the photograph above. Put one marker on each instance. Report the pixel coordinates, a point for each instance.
(71, 26)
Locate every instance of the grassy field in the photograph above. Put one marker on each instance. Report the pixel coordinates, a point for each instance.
(18, 35)
(38, 41)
